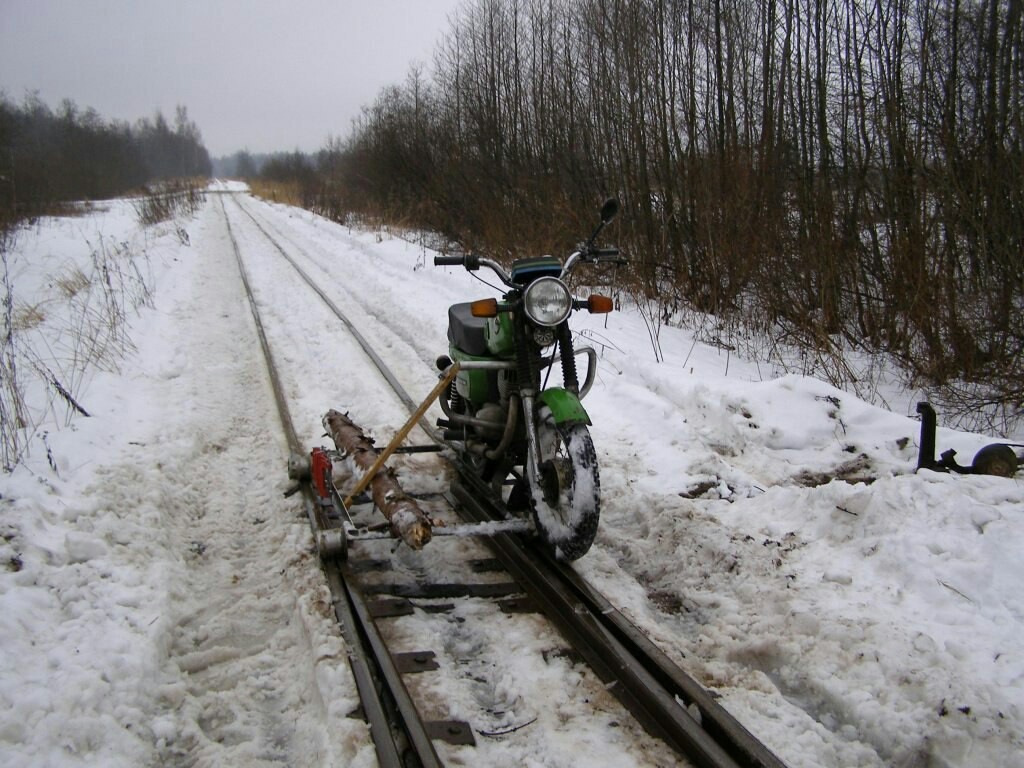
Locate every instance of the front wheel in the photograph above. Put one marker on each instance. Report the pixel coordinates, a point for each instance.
(566, 498)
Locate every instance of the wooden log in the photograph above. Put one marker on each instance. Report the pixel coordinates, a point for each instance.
(396, 441)
(408, 522)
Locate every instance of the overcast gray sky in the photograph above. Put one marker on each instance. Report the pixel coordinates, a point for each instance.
(254, 74)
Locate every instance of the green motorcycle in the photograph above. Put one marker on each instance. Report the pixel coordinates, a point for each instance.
(529, 442)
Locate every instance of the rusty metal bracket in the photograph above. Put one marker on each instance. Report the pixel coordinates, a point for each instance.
(414, 662)
(451, 731)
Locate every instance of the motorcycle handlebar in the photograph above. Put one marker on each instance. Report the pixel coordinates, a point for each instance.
(605, 256)
(448, 261)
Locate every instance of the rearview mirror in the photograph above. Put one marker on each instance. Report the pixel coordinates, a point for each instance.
(609, 210)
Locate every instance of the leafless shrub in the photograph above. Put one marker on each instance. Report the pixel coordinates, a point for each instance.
(991, 409)
(92, 335)
(836, 174)
(97, 333)
(165, 202)
(12, 402)
(652, 311)
(153, 207)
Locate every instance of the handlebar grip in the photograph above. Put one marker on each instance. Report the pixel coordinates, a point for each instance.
(600, 252)
(448, 261)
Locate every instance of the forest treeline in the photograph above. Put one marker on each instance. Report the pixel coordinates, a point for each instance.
(48, 157)
(838, 173)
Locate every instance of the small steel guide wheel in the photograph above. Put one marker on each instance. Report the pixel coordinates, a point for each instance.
(332, 544)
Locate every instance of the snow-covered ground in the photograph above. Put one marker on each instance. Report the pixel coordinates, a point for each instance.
(160, 603)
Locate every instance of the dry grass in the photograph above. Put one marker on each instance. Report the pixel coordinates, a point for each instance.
(69, 209)
(277, 191)
(72, 282)
(167, 200)
(87, 330)
(26, 317)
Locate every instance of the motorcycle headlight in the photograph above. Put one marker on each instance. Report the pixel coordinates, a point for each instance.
(547, 301)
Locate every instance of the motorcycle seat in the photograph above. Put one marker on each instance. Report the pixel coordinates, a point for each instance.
(465, 331)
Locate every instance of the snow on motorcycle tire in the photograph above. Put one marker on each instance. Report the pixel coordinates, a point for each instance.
(568, 524)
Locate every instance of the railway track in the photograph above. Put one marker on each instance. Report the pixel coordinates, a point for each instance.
(369, 590)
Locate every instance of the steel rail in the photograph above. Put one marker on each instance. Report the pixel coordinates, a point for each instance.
(395, 725)
(381, 366)
(639, 674)
(655, 690)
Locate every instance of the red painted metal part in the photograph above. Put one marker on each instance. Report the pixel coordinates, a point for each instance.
(320, 470)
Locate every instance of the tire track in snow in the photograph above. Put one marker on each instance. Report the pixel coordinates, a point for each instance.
(250, 625)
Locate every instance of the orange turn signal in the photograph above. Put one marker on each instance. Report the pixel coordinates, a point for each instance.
(599, 305)
(484, 308)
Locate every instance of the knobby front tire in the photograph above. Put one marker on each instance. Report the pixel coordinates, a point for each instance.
(567, 507)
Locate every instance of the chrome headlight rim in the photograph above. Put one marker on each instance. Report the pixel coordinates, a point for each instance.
(547, 317)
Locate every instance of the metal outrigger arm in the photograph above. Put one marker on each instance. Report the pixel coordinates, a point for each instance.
(995, 459)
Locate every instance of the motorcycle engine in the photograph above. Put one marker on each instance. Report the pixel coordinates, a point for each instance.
(492, 412)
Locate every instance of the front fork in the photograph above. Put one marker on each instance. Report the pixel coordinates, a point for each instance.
(529, 380)
(529, 384)
(529, 398)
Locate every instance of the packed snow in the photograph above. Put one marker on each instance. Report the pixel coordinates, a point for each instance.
(161, 602)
